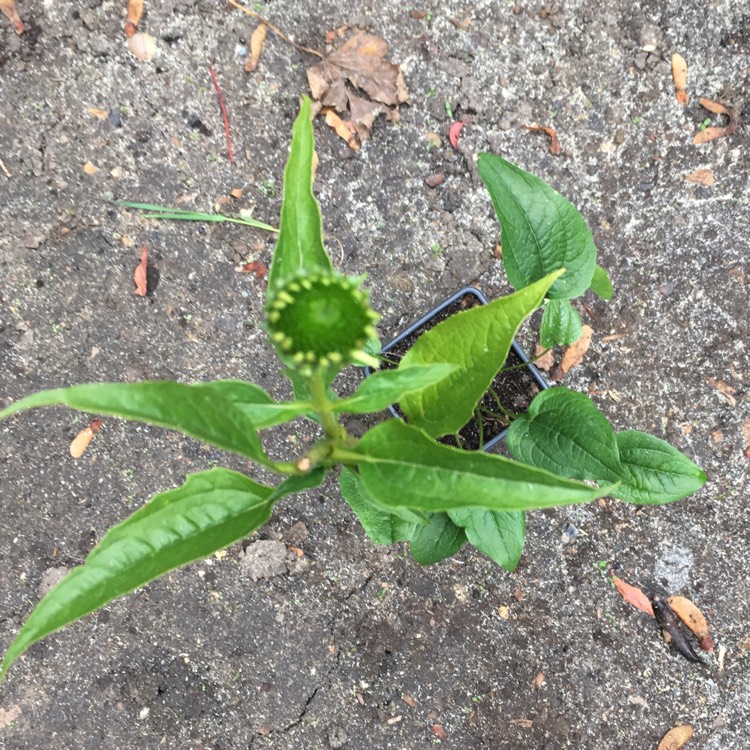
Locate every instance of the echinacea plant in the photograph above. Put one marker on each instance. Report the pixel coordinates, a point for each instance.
(403, 484)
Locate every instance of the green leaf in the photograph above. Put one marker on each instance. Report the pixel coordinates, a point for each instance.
(561, 324)
(435, 541)
(541, 230)
(653, 471)
(499, 535)
(563, 432)
(299, 247)
(193, 410)
(255, 403)
(477, 341)
(211, 510)
(382, 527)
(401, 466)
(381, 389)
(600, 284)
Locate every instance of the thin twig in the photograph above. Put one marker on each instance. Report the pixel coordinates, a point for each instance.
(223, 112)
(276, 31)
(5, 169)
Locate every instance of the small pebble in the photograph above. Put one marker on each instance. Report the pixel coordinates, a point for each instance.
(433, 180)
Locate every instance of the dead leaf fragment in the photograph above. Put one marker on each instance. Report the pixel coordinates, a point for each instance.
(746, 435)
(575, 352)
(633, 595)
(461, 25)
(9, 716)
(344, 130)
(90, 169)
(709, 134)
(439, 732)
(409, 700)
(257, 39)
(554, 145)
(256, 267)
(455, 132)
(725, 389)
(676, 737)
(141, 274)
(679, 75)
(547, 358)
(8, 7)
(538, 681)
(135, 11)
(359, 65)
(701, 177)
(100, 114)
(695, 620)
(81, 441)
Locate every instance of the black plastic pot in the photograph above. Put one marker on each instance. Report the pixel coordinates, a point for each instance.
(463, 299)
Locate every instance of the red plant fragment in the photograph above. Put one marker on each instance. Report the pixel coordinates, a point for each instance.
(632, 595)
(554, 145)
(256, 267)
(9, 8)
(140, 274)
(455, 132)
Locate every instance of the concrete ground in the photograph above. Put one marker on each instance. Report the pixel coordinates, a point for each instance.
(354, 646)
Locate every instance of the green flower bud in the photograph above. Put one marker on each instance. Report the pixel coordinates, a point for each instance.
(322, 320)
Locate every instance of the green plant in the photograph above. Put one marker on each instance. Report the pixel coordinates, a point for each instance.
(541, 232)
(402, 483)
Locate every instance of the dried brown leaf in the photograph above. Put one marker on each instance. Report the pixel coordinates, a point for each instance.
(679, 75)
(710, 134)
(100, 114)
(746, 433)
(725, 389)
(409, 700)
(257, 39)
(676, 737)
(538, 681)
(343, 130)
(439, 732)
(359, 64)
(633, 596)
(554, 145)
(575, 352)
(135, 11)
(695, 620)
(461, 25)
(701, 177)
(8, 7)
(81, 441)
(544, 358)
(140, 275)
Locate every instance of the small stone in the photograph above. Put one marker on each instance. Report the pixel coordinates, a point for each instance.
(433, 180)
(264, 559)
(296, 533)
(89, 168)
(666, 290)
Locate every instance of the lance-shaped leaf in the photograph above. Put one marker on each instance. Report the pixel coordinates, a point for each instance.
(541, 230)
(564, 432)
(193, 410)
(653, 471)
(211, 510)
(381, 526)
(600, 284)
(401, 466)
(477, 341)
(255, 403)
(381, 389)
(561, 324)
(499, 535)
(299, 246)
(436, 540)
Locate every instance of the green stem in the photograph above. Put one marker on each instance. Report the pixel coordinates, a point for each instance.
(523, 364)
(324, 408)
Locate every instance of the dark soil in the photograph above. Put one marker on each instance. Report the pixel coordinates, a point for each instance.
(360, 648)
(513, 389)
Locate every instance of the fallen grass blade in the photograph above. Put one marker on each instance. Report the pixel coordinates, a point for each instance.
(181, 214)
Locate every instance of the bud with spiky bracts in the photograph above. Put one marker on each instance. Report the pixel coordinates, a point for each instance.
(322, 320)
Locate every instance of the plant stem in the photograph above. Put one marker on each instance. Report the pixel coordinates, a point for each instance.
(324, 408)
